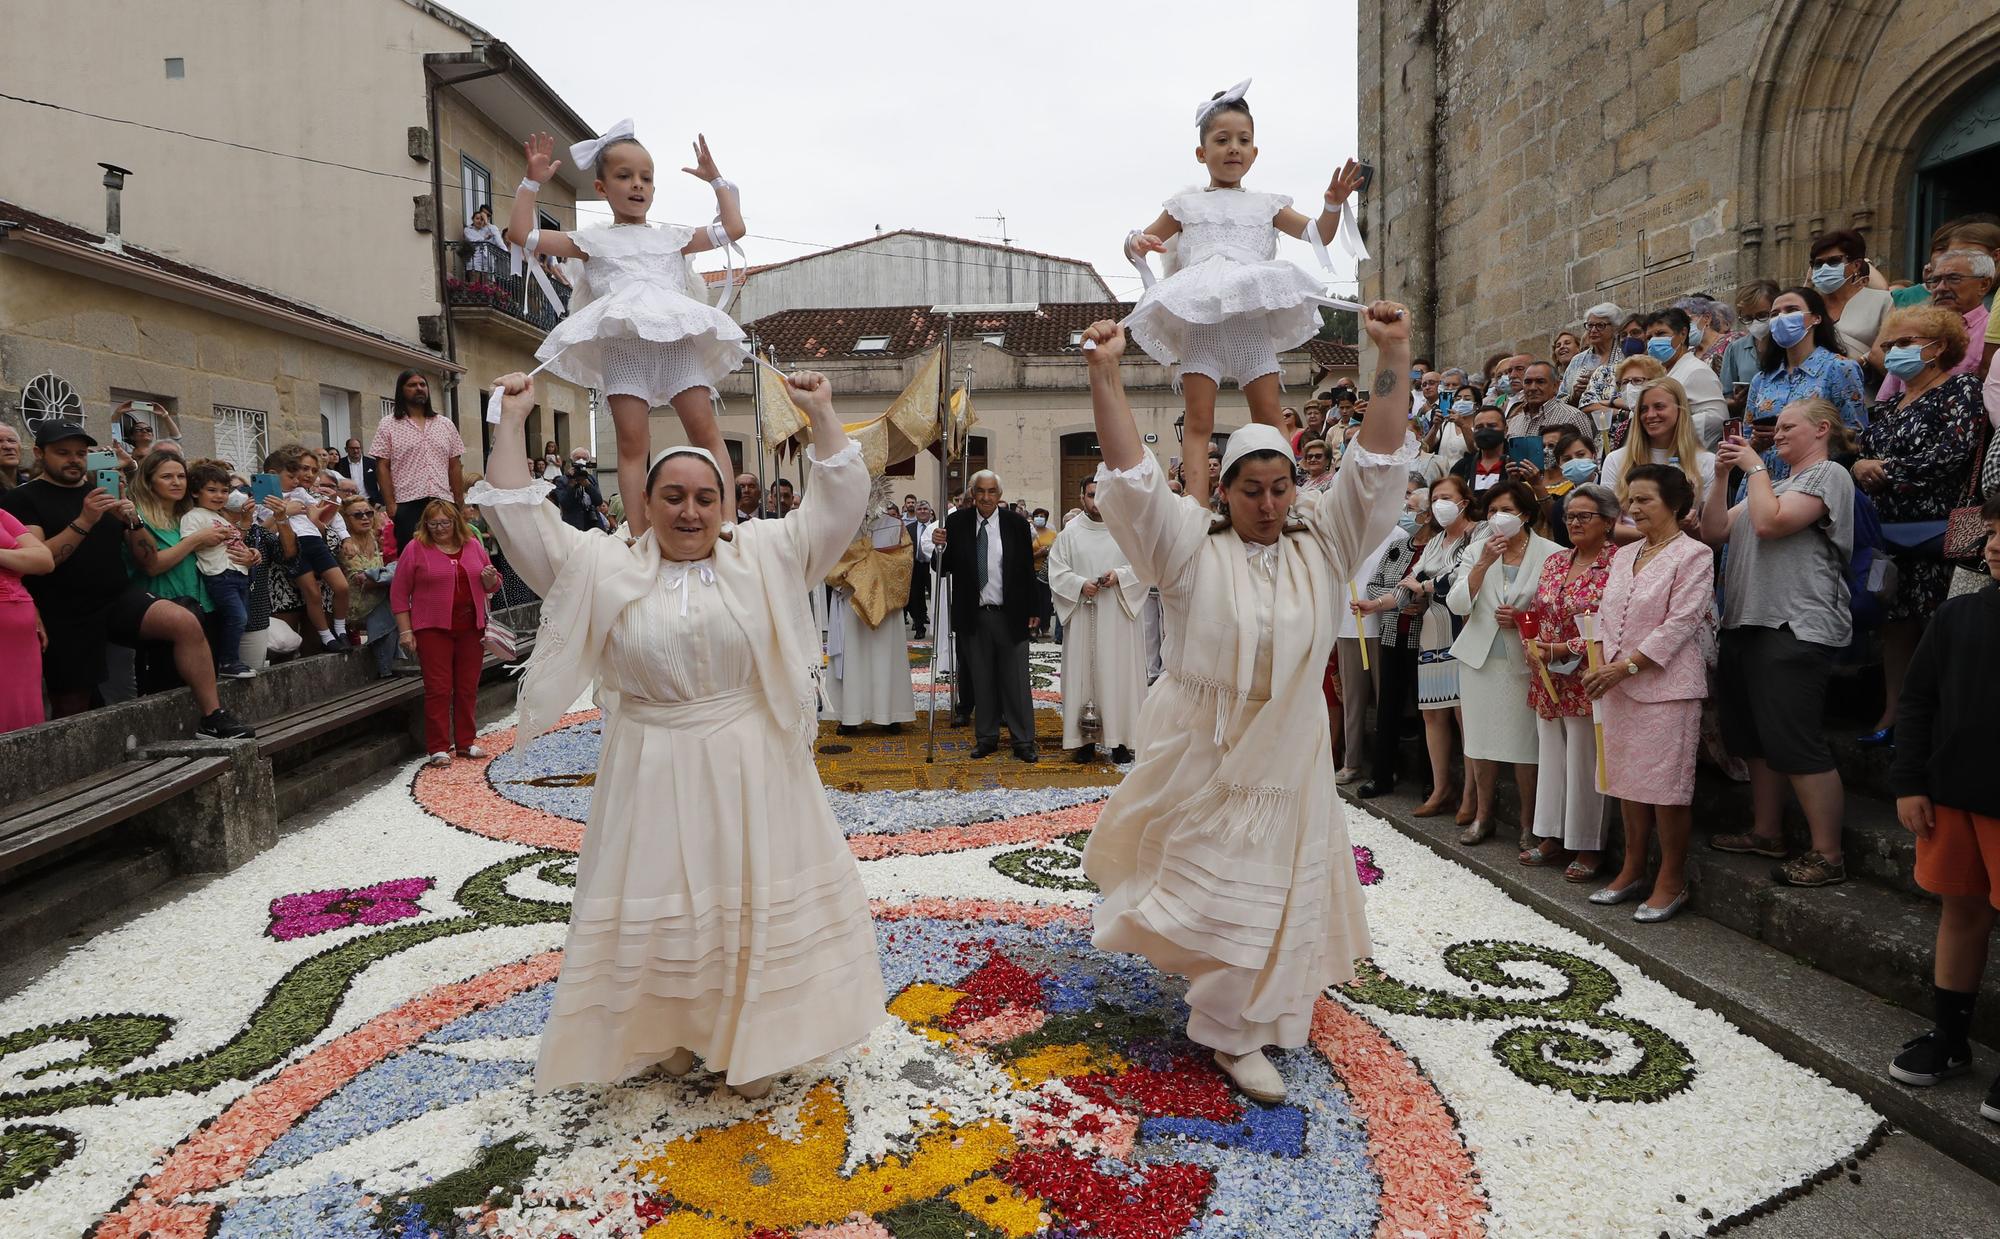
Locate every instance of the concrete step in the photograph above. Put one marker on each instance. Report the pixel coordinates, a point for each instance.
(56, 900)
(341, 768)
(1787, 992)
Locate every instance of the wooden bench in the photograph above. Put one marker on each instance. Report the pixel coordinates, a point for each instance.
(275, 735)
(84, 808)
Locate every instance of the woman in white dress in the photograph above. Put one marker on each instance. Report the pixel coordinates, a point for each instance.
(1497, 575)
(718, 910)
(1223, 856)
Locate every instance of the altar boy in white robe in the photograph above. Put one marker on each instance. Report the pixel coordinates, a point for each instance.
(867, 636)
(1100, 601)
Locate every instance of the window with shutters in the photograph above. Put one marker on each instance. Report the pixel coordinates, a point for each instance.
(240, 438)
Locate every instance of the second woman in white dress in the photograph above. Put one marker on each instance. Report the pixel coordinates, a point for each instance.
(1222, 856)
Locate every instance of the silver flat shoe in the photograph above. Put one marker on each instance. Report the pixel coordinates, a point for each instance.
(1617, 894)
(1653, 916)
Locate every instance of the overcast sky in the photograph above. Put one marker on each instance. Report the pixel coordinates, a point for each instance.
(1073, 120)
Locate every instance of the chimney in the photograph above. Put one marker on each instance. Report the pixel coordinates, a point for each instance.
(114, 184)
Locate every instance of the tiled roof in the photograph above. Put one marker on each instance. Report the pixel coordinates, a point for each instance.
(1334, 355)
(831, 334)
(716, 277)
(818, 335)
(10, 213)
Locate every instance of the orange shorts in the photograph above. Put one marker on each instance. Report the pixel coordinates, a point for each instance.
(1962, 856)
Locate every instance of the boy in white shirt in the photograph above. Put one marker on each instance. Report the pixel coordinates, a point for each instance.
(228, 581)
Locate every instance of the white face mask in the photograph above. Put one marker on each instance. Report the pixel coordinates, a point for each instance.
(1505, 524)
(1444, 512)
(1631, 396)
(1760, 330)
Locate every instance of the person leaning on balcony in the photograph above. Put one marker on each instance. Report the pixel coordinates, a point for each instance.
(486, 242)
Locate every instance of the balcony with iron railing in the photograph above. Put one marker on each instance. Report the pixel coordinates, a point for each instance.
(479, 279)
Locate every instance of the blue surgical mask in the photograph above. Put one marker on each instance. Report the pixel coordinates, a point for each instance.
(1694, 335)
(1461, 408)
(1905, 361)
(1829, 277)
(1407, 522)
(1580, 470)
(1788, 329)
(1660, 349)
(1504, 384)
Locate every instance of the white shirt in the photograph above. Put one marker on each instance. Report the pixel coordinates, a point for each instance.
(991, 596)
(1705, 400)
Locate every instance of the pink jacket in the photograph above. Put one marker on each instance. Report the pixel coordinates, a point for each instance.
(1666, 613)
(423, 585)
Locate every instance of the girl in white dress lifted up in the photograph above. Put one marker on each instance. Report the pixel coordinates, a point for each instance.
(637, 329)
(1231, 307)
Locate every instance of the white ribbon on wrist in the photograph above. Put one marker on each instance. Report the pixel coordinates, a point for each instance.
(1137, 259)
(719, 238)
(530, 184)
(519, 257)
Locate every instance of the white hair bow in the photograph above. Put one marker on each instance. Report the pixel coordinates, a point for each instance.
(583, 155)
(1231, 96)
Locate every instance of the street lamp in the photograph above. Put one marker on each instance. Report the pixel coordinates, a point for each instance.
(1180, 427)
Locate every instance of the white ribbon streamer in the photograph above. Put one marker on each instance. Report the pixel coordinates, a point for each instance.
(583, 155)
(1138, 260)
(1349, 233)
(520, 257)
(719, 237)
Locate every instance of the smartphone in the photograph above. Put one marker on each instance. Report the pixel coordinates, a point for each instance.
(1367, 176)
(111, 481)
(1527, 448)
(1742, 389)
(100, 459)
(1733, 428)
(265, 486)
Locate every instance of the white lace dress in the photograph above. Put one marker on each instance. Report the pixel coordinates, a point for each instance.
(1232, 305)
(637, 325)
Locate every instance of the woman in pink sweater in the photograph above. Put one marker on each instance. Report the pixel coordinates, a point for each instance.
(441, 616)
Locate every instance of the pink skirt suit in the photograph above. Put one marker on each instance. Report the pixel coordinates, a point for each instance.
(1652, 721)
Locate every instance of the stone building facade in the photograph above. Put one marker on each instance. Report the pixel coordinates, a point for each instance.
(1535, 157)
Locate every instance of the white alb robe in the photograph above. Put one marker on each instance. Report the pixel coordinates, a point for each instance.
(1104, 655)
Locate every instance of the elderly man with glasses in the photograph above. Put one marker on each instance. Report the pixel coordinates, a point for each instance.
(1958, 280)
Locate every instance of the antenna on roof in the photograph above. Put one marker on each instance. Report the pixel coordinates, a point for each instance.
(1006, 240)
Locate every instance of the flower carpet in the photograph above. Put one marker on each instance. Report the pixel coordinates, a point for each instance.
(337, 1039)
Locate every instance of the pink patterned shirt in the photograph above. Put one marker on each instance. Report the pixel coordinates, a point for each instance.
(419, 455)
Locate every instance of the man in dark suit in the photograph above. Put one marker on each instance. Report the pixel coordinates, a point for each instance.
(917, 612)
(989, 555)
(361, 469)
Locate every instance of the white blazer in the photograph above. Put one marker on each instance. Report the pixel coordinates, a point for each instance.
(1475, 640)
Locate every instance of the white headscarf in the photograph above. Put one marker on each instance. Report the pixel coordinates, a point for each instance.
(1256, 437)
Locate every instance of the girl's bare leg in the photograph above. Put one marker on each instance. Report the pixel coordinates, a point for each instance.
(630, 416)
(1199, 392)
(697, 414)
(1263, 395)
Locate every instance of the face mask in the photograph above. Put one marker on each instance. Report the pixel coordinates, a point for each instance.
(1759, 330)
(1580, 470)
(1829, 277)
(1486, 438)
(1041, 522)
(1505, 524)
(1905, 361)
(1789, 329)
(1461, 408)
(1660, 349)
(1505, 384)
(1444, 512)
(1694, 335)
(1407, 522)
(1630, 398)
(1631, 347)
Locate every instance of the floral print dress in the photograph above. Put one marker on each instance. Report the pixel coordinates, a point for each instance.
(1558, 601)
(1926, 450)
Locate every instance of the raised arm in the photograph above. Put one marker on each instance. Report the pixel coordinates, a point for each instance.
(529, 528)
(1344, 183)
(540, 150)
(1387, 419)
(728, 201)
(1117, 433)
(836, 494)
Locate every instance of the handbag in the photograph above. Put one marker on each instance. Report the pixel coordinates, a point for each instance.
(500, 640)
(1963, 530)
